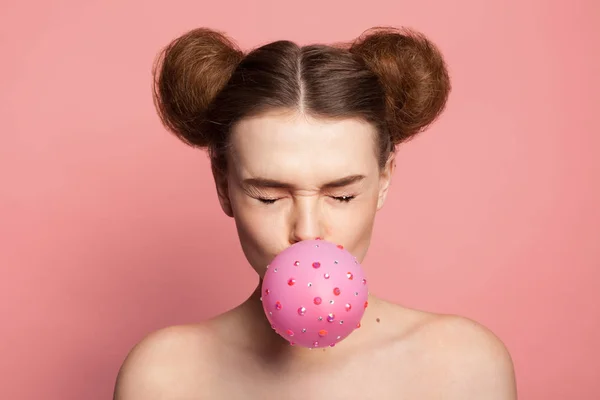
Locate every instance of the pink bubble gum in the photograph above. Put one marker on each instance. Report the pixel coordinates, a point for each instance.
(314, 293)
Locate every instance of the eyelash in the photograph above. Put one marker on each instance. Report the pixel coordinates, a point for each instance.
(341, 199)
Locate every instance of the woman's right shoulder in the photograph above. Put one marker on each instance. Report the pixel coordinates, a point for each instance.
(155, 366)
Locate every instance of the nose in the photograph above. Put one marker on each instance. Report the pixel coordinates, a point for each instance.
(306, 222)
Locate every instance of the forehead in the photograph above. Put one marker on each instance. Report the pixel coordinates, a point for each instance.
(290, 145)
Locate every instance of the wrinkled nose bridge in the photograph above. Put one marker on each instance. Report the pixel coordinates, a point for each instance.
(306, 220)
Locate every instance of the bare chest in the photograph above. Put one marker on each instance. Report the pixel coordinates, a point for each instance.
(357, 380)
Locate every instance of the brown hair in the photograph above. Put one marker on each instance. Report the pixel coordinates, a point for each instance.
(395, 79)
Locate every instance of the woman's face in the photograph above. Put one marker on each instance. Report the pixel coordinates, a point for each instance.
(292, 177)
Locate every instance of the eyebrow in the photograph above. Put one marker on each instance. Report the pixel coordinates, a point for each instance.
(274, 184)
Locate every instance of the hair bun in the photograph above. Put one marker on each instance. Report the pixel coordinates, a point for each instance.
(413, 74)
(188, 74)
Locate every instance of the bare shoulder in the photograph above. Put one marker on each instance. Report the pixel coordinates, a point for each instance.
(156, 366)
(470, 359)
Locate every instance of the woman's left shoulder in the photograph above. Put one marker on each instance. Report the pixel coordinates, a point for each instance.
(476, 359)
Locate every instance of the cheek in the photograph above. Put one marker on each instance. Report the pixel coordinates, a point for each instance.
(355, 234)
(351, 224)
(259, 230)
(246, 215)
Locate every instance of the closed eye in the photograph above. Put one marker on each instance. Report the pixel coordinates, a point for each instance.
(344, 199)
(267, 201)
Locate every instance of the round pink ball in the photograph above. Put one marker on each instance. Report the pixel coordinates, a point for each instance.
(314, 293)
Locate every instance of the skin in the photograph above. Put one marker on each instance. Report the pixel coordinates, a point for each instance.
(398, 353)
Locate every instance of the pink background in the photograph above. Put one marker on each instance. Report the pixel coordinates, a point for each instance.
(105, 219)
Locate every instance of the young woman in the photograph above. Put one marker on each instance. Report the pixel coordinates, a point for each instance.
(302, 143)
